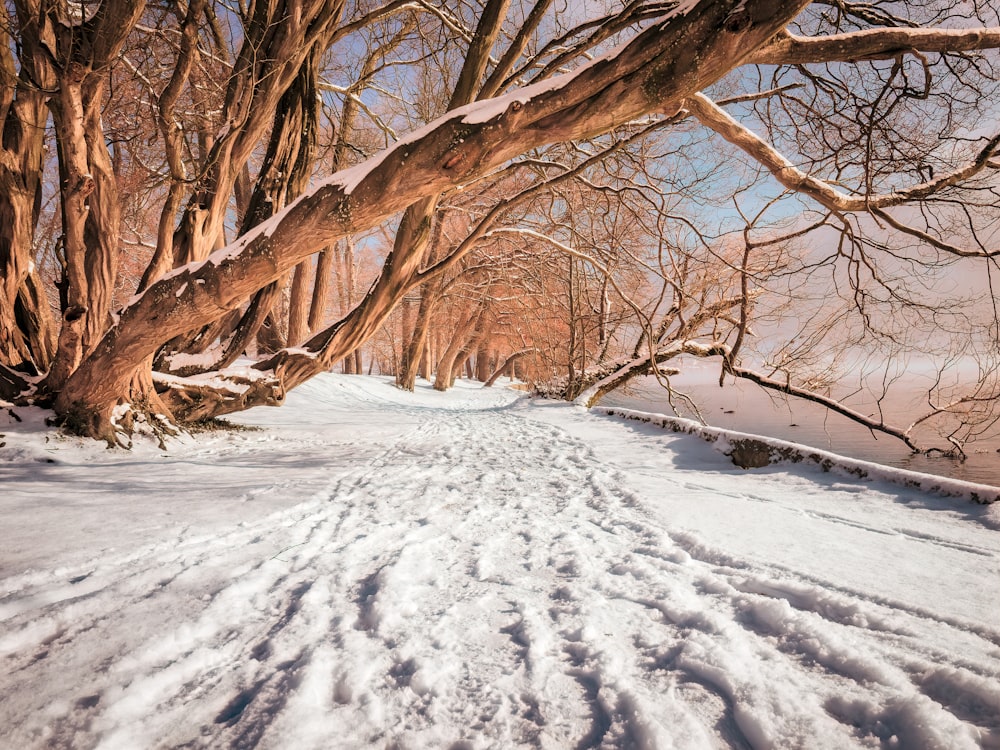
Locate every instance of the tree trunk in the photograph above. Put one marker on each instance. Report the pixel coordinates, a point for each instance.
(274, 59)
(71, 60)
(298, 304)
(416, 350)
(321, 289)
(483, 361)
(27, 338)
(507, 367)
(445, 377)
(427, 356)
(283, 176)
(91, 219)
(347, 287)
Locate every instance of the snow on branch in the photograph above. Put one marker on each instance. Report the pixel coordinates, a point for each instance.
(873, 44)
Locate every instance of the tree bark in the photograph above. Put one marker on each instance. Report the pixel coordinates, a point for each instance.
(482, 373)
(298, 304)
(321, 289)
(283, 176)
(27, 338)
(466, 332)
(415, 350)
(281, 40)
(90, 206)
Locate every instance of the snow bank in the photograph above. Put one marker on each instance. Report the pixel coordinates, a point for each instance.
(754, 451)
(478, 569)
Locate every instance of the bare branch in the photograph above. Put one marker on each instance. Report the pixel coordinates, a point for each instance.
(872, 44)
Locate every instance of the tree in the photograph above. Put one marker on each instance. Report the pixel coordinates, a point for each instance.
(230, 225)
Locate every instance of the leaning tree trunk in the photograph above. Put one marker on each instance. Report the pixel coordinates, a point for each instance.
(464, 358)
(445, 377)
(507, 367)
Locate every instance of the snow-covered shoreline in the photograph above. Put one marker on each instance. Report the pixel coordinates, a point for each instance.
(773, 451)
(479, 569)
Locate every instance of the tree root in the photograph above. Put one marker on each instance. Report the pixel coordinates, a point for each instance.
(13, 385)
(197, 401)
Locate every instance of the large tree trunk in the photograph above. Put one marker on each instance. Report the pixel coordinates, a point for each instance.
(90, 207)
(27, 337)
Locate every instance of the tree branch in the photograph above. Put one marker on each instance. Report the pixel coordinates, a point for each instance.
(829, 403)
(793, 178)
(872, 44)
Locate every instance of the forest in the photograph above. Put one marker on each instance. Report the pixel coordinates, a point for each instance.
(204, 204)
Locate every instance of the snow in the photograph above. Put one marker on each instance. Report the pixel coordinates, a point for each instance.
(478, 569)
(783, 450)
(236, 379)
(200, 359)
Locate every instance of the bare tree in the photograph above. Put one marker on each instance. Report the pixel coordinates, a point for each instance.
(230, 227)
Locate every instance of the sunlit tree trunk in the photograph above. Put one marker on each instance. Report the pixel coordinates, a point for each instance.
(27, 336)
(452, 357)
(89, 201)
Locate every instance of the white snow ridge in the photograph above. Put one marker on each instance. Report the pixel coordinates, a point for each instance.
(480, 570)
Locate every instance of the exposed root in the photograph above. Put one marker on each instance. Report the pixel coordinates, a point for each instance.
(214, 424)
(191, 400)
(14, 386)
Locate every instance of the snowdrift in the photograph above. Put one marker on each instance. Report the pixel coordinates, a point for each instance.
(754, 451)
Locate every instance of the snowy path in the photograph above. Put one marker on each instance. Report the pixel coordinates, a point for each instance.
(476, 572)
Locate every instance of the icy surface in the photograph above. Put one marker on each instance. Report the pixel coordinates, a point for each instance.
(479, 570)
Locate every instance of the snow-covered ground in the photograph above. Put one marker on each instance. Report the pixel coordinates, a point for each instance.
(477, 569)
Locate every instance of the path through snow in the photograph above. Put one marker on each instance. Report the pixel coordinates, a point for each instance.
(472, 571)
